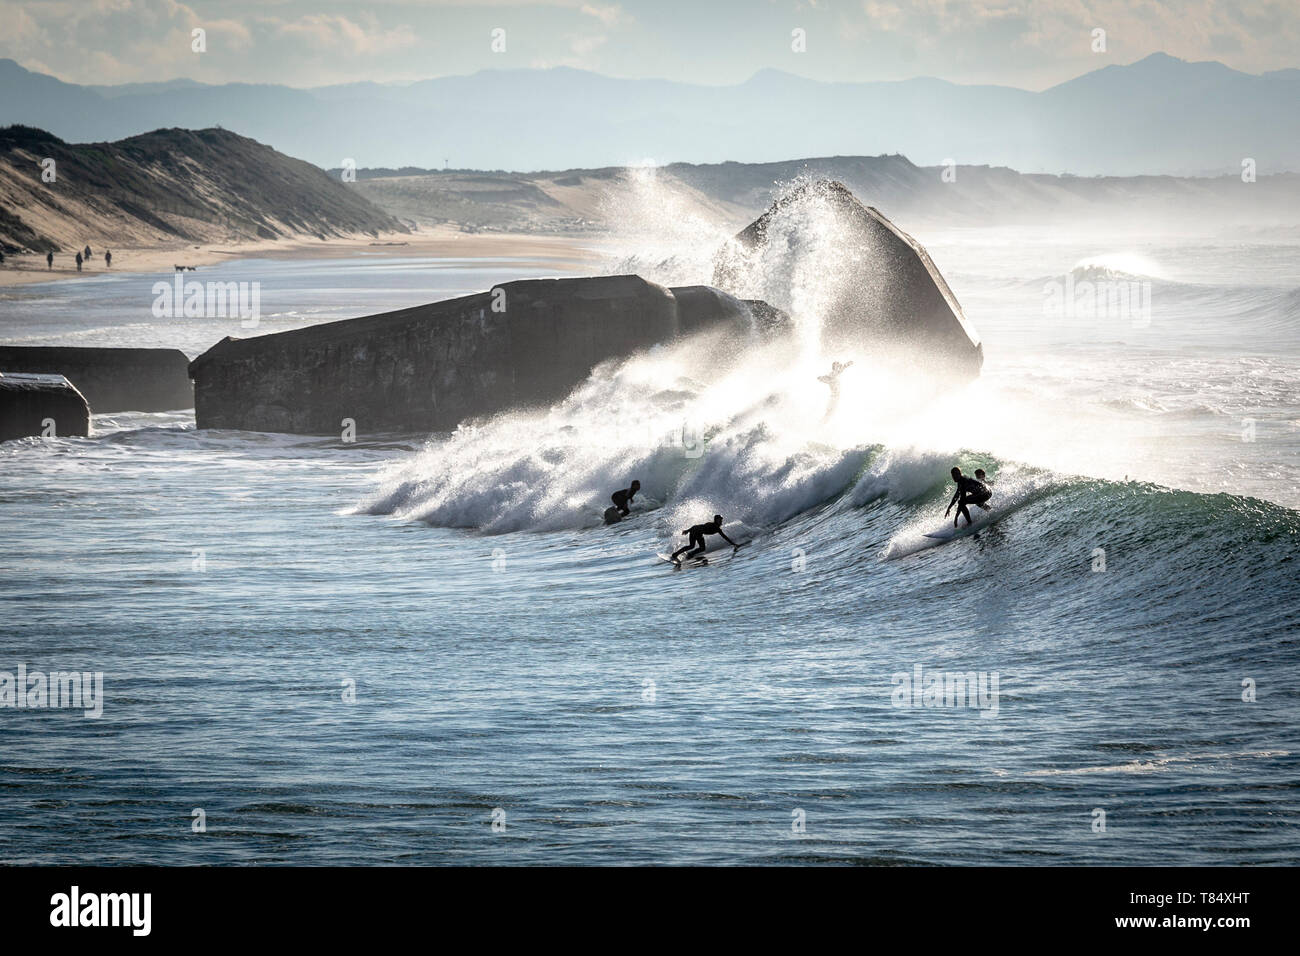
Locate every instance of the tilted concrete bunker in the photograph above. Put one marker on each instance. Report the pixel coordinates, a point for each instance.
(871, 286)
(431, 367)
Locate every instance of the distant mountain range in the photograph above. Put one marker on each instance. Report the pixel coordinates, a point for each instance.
(1158, 115)
(197, 185)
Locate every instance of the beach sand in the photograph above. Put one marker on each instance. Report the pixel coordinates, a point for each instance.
(436, 242)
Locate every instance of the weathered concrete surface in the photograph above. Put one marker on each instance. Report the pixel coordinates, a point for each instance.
(874, 288)
(768, 319)
(29, 403)
(700, 307)
(431, 367)
(112, 380)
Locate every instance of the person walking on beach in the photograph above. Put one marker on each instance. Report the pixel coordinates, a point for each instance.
(108, 259)
(87, 255)
(49, 260)
(78, 261)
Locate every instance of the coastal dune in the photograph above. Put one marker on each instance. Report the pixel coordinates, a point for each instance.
(172, 189)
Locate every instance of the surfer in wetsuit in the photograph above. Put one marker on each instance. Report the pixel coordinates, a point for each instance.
(696, 539)
(623, 498)
(970, 491)
(833, 380)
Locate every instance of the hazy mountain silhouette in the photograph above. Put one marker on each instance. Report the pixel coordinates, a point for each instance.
(1158, 115)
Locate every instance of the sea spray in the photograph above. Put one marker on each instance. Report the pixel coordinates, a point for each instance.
(708, 424)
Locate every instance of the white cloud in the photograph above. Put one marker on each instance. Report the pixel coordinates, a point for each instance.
(339, 34)
(611, 15)
(584, 45)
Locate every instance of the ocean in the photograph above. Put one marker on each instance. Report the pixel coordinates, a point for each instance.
(430, 650)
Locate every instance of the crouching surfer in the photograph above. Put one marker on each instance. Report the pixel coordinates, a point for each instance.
(970, 491)
(622, 503)
(695, 543)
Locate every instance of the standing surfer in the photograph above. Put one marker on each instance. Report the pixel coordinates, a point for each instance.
(970, 491)
(696, 539)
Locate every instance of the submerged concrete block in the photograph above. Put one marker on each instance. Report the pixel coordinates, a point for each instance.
(871, 286)
(112, 380)
(47, 405)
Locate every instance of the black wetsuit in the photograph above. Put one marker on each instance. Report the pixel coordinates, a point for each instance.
(622, 498)
(695, 543)
(970, 491)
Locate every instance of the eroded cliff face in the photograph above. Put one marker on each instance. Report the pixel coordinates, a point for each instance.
(431, 367)
(825, 257)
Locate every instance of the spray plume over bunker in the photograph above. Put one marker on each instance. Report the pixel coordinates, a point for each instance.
(854, 277)
(710, 423)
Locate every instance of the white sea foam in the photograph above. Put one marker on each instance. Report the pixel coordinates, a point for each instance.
(752, 435)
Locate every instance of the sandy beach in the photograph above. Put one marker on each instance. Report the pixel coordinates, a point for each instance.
(437, 242)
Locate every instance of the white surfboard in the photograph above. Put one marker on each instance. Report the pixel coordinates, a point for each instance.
(947, 534)
(684, 562)
(982, 520)
(702, 559)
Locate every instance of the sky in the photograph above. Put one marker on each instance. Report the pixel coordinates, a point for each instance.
(1032, 44)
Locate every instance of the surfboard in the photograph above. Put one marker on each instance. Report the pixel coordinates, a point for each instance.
(717, 554)
(947, 534)
(982, 521)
